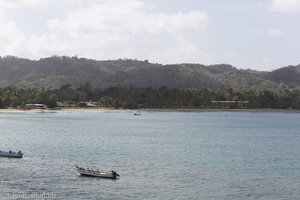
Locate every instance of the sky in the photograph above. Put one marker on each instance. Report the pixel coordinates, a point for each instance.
(257, 34)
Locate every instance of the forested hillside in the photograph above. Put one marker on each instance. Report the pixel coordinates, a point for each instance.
(54, 72)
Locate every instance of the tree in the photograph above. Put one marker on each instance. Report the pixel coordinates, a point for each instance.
(1, 103)
(43, 97)
(16, 101)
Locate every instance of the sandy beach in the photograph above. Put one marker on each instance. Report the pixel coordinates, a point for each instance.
(87, 110)
(105, 110)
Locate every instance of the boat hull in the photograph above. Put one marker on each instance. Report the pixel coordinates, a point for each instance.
(99, 176)
(91, 173)
(10, 155)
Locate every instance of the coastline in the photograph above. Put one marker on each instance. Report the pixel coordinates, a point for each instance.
(105, 110)
(66, 110)
(222, 110)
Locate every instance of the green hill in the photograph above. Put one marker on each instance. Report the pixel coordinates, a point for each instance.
(53, 72)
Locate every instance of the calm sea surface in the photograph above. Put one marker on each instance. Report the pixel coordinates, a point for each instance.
(159, 155)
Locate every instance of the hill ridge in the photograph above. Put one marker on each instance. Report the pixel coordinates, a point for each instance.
(55, 71)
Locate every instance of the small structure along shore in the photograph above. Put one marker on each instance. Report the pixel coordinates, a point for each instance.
(35, 106)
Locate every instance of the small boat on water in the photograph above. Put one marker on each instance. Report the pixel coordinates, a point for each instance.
(96, 173)
(137, 114)
(11, 154)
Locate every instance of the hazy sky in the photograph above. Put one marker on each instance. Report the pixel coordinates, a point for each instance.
(256, 34)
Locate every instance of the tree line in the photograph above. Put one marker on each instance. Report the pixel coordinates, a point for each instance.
(151, 97)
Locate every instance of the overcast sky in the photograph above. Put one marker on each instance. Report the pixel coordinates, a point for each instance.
(256, 34)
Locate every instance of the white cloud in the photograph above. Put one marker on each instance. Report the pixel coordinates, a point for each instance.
(267, 62)
(109, 30)
(182, 51)
(11, 38)
(22, 3)
(39, 4)
(285, 5)
(273, 33)
(126, 17)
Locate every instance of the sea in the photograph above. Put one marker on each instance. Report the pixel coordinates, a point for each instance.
(159, 155)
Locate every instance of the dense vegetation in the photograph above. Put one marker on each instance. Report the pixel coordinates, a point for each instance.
(55, 71)
(149, 97)
(140, 84)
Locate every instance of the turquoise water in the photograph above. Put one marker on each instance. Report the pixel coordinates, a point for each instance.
(159, 155)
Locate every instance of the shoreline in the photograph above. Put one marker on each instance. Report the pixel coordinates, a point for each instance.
(107, 110)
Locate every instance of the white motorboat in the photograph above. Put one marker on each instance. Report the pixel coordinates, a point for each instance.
(96, 173)
(11, 154)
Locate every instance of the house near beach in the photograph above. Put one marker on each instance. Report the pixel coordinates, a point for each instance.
(35, 106)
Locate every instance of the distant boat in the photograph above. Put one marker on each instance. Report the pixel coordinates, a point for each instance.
(137, 113)
(96, 173)
(11, 154)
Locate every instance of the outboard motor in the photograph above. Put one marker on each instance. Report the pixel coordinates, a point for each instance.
(115, 174)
